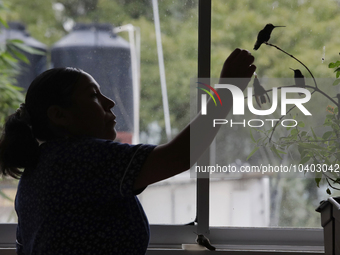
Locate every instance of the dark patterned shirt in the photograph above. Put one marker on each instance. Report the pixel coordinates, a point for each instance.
(80, 200)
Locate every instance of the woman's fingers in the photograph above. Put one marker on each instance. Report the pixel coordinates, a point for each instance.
(251, 70)
(239, 64)
(234, 54)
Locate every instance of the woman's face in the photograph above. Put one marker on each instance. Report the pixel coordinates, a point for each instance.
(90, 114)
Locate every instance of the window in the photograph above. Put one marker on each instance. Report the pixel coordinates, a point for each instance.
(271, 200)
(239, 205)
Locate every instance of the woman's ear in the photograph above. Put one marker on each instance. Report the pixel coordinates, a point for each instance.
(58, 116)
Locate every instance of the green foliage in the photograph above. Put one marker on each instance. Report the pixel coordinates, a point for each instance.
(319, 154)
(322, 152)
(337, 71)
(10, 54)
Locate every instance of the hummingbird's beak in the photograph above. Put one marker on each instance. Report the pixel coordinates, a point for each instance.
(279, 26)
(291, 69)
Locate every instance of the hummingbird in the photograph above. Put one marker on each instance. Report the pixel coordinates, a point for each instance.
(260, 92)
(299, 79)
(264, 35)
(202, 240)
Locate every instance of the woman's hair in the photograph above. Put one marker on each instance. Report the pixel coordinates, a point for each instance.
(19, 147)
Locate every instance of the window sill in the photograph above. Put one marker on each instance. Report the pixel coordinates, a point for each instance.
(238, 241)
(242, 249)
(220, 250)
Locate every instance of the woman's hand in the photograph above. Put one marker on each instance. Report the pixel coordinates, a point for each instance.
(239, 64)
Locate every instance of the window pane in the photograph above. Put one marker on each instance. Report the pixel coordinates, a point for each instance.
(311, 35)
(7, 196)
(172, 201)
(49, 22)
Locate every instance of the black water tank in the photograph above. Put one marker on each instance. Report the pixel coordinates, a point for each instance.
(37, 63)
(95, 49)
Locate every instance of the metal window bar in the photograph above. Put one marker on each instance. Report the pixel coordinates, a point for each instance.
(204, 58)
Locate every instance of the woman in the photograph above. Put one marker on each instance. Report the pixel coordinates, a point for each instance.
(77, 194)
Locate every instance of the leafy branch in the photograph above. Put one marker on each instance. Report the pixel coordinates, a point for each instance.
(269, 44)
(321, 151)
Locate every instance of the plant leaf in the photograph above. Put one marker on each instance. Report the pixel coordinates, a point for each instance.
(21, 56)
(304, 160)
(28, 49)
(273, 149)
(301, 124)
(15, 41)
(331, 65)
(4, 23)
(253, 151)
(314, 135)
(252, 137)
(318, 177)
(282, 152)
(327, 135)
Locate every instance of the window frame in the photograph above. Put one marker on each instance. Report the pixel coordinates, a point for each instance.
(237, 238)
(298, 239)
(229, 238)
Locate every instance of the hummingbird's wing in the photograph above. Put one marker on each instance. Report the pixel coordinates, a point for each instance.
(263, 99)
(259, 92)
(259, 40)
(267, 96)
(300, 82)
(257, 45)
(257, 98)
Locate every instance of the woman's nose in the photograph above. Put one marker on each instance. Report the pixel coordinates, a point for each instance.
(109, 103)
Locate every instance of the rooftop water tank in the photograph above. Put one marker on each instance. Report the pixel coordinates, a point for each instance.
(95, 49)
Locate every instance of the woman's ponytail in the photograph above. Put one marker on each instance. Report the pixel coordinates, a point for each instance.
(18, 147)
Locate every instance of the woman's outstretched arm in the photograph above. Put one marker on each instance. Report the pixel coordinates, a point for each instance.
(186, 148)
